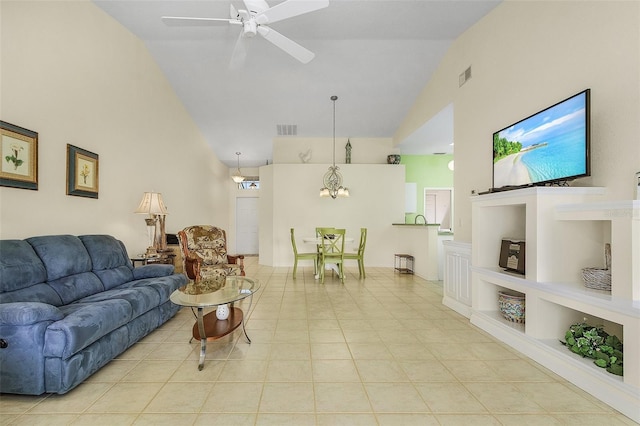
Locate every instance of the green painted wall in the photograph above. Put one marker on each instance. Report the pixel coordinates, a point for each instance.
(427, 171)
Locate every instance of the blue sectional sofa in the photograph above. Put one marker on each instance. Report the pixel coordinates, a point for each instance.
(69, 304)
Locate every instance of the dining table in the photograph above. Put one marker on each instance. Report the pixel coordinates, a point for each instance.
(317, 240)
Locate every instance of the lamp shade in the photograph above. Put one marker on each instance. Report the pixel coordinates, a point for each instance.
(152, 204)
(238, 178)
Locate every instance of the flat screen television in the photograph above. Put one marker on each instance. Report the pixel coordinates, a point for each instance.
(549, 147)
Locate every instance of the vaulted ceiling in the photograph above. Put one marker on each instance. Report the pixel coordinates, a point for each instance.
(375, 55)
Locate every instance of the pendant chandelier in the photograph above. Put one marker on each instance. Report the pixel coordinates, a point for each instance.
(237, 177)
(332, 180)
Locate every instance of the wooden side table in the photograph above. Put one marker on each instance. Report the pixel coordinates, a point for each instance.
(165, 258)
(404, 263)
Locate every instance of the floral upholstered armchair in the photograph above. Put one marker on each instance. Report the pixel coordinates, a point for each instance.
(204, 253)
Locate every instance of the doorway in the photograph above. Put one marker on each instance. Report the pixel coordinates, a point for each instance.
(247, 225)
(438, 207)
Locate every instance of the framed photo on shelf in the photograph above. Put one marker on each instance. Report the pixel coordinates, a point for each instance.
(512, 255)
(82, 172)
(19, 155)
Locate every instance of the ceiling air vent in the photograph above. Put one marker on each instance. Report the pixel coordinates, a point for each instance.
(287, 129)
(464, 76)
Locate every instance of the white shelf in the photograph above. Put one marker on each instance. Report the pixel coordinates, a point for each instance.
(572, 293)
(587, 363)
(602, 210)
(565, 230)
(507, 197)
(499, 319)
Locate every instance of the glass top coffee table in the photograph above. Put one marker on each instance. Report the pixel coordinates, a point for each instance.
(219, 293)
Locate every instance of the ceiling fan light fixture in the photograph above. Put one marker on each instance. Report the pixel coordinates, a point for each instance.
(255, 20)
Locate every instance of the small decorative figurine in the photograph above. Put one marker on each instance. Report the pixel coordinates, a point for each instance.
(348, 149)
(305, 156)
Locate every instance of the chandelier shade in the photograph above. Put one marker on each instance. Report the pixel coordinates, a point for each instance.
(332, 180)
(237, 177)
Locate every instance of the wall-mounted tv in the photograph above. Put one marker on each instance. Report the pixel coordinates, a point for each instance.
(550, 146)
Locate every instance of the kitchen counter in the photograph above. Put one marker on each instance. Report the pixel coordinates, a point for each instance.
(416, 224)
(421, 244)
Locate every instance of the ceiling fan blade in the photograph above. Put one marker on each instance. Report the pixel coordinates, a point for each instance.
(286, 44)
(185, 21)
(289, 9)
(256, 6)
(239, 53)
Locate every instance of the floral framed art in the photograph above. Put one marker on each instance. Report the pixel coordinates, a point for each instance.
(82, 172)
(19, 156)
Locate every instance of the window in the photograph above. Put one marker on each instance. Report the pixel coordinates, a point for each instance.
(250, 182)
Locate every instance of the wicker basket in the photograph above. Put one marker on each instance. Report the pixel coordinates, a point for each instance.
(598, 278)
(512, 306)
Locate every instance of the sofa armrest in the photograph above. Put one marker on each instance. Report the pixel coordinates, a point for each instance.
(192, 264)
(152, 271)
(238, 260)
(27, 313)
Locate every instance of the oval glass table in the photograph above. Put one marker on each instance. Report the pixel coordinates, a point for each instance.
(213, 293)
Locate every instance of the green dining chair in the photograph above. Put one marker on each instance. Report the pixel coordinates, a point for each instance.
(319, 231)
(302, 256)
(332, 251)
(359, 255)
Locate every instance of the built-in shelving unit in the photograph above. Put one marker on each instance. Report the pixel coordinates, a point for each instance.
(565, 229)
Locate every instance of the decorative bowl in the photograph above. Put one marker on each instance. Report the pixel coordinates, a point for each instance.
(512, 306)
(393, 159)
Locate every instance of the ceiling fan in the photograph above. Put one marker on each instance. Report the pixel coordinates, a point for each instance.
(254, 20)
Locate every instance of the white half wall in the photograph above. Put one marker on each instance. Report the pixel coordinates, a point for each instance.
(289, 198)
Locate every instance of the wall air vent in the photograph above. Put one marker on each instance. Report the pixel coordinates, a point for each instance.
(439, 153)
(287, 129)
(464, 77)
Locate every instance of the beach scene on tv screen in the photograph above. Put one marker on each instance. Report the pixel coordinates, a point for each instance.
(550, 145)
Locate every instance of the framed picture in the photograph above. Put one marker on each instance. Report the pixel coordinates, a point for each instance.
(512, 256)
(82, 172)
(19, 155)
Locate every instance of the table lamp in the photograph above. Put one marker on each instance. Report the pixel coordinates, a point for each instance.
(153, 205)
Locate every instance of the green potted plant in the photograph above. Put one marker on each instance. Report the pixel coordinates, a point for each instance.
(593, 342)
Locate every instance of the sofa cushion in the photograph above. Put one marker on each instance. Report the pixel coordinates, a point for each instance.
(28, 313)
(83, 324)
(163, 285)
(62, 255)
(77, 286)
(141, 299)
(36, 293)
(152, 271)
(109, 259)
(20, 266)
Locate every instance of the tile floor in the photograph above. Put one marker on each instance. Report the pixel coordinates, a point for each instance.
(380, 351)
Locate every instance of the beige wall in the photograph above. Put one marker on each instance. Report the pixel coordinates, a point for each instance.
(287, 150)
(289, 198)
(525, 56)
(74, 75)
